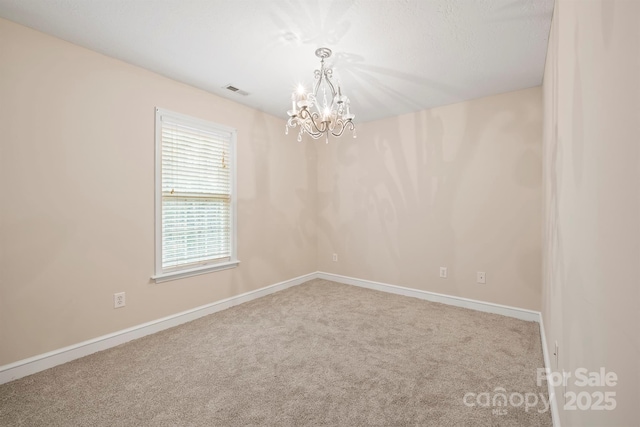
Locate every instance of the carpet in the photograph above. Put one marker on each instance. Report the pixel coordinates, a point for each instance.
(318, 354)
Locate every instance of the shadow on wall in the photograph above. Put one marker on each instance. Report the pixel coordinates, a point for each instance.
(270, 246)
(402, 186)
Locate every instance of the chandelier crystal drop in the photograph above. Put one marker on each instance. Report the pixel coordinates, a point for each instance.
(325, 110)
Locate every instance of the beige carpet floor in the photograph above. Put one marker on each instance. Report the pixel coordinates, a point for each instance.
(318, 354)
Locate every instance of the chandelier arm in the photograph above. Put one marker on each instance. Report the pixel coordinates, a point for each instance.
(343, 126)
(331, 86)
(309, 123)
(308, 129)
(320, 74)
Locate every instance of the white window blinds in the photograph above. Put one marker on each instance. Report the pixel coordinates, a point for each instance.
(196, 192)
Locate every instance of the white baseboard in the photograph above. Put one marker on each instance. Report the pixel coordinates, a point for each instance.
(487, 307)
(553, 402)
(38, 363)
(48, 360)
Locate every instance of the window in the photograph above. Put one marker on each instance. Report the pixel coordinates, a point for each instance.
(195, 196)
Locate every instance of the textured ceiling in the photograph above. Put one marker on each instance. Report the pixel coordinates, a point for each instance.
(392, 57)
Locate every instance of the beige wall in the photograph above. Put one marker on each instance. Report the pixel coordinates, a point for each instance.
(591, 244)
(457, 186)
(77, 204)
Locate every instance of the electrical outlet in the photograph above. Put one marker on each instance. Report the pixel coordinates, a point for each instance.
(443, 272)
(481, 277)
(119, 300)
(335, 257)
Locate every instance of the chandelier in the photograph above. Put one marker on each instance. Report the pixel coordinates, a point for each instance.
(324, 111)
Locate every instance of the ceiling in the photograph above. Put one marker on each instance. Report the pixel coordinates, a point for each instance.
(391, 56)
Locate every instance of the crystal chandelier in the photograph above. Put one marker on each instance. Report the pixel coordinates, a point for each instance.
(324, 111)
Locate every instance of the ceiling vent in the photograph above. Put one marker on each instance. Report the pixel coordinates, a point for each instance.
(236, 90)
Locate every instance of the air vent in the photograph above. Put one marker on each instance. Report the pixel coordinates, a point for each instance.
(236, 90)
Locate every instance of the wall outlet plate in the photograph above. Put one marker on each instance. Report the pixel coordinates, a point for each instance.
(481, 277)
(335, 257)
(443, 272)
(119, 300)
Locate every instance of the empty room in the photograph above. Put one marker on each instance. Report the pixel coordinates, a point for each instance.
(320, 213)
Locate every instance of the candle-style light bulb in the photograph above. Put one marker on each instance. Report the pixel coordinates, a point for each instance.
(326, 113)
(302, 94)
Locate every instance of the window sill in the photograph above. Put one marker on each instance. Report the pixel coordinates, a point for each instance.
(180, 274)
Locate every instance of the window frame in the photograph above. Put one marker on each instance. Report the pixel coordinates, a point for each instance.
(163, 275)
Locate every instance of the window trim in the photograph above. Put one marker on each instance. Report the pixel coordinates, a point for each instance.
(179, 273)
